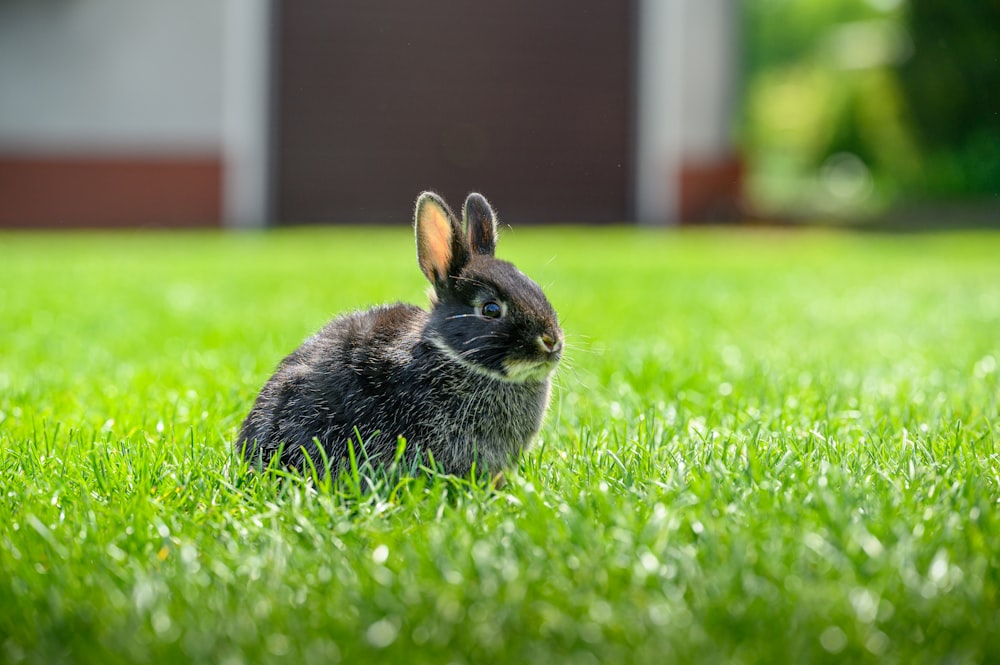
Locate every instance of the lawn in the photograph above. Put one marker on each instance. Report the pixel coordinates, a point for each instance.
(763, 447)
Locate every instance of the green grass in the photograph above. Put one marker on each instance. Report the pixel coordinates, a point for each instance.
(763, 447)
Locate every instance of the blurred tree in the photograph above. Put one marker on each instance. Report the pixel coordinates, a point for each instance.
(852, 105)
(952, 86)
(826, 124)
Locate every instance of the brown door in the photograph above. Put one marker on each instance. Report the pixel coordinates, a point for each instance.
(528, 101)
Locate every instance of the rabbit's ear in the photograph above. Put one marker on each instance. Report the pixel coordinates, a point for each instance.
(441, 249)
(481, 222)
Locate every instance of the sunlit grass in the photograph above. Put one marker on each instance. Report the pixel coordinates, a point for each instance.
(762, 448)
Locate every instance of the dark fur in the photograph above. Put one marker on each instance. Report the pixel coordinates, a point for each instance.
(450, 381)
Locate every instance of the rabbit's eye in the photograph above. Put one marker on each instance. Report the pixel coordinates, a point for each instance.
(491, 310)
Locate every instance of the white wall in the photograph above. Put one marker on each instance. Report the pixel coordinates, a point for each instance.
(142, 77)
(687, 59)
(246, 118)
(659, 123)
(710, 56)
(111, 75)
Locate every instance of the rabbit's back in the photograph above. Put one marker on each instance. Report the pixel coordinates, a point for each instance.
(335, 381)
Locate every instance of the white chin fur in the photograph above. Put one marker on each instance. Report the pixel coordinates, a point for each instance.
(517, 371)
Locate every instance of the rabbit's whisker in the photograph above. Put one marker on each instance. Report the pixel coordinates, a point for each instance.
(471, 280)
(479, 337)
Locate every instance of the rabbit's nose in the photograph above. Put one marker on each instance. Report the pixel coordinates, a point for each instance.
(549, 343)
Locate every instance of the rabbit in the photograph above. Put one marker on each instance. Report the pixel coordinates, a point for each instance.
(466, 383)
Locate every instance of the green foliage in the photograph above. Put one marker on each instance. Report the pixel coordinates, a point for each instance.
(851, 106)
(952, 89)
(762, 448)
(952, 81)
(781, 32)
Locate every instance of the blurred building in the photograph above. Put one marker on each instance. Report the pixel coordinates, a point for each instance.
(246, 112)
